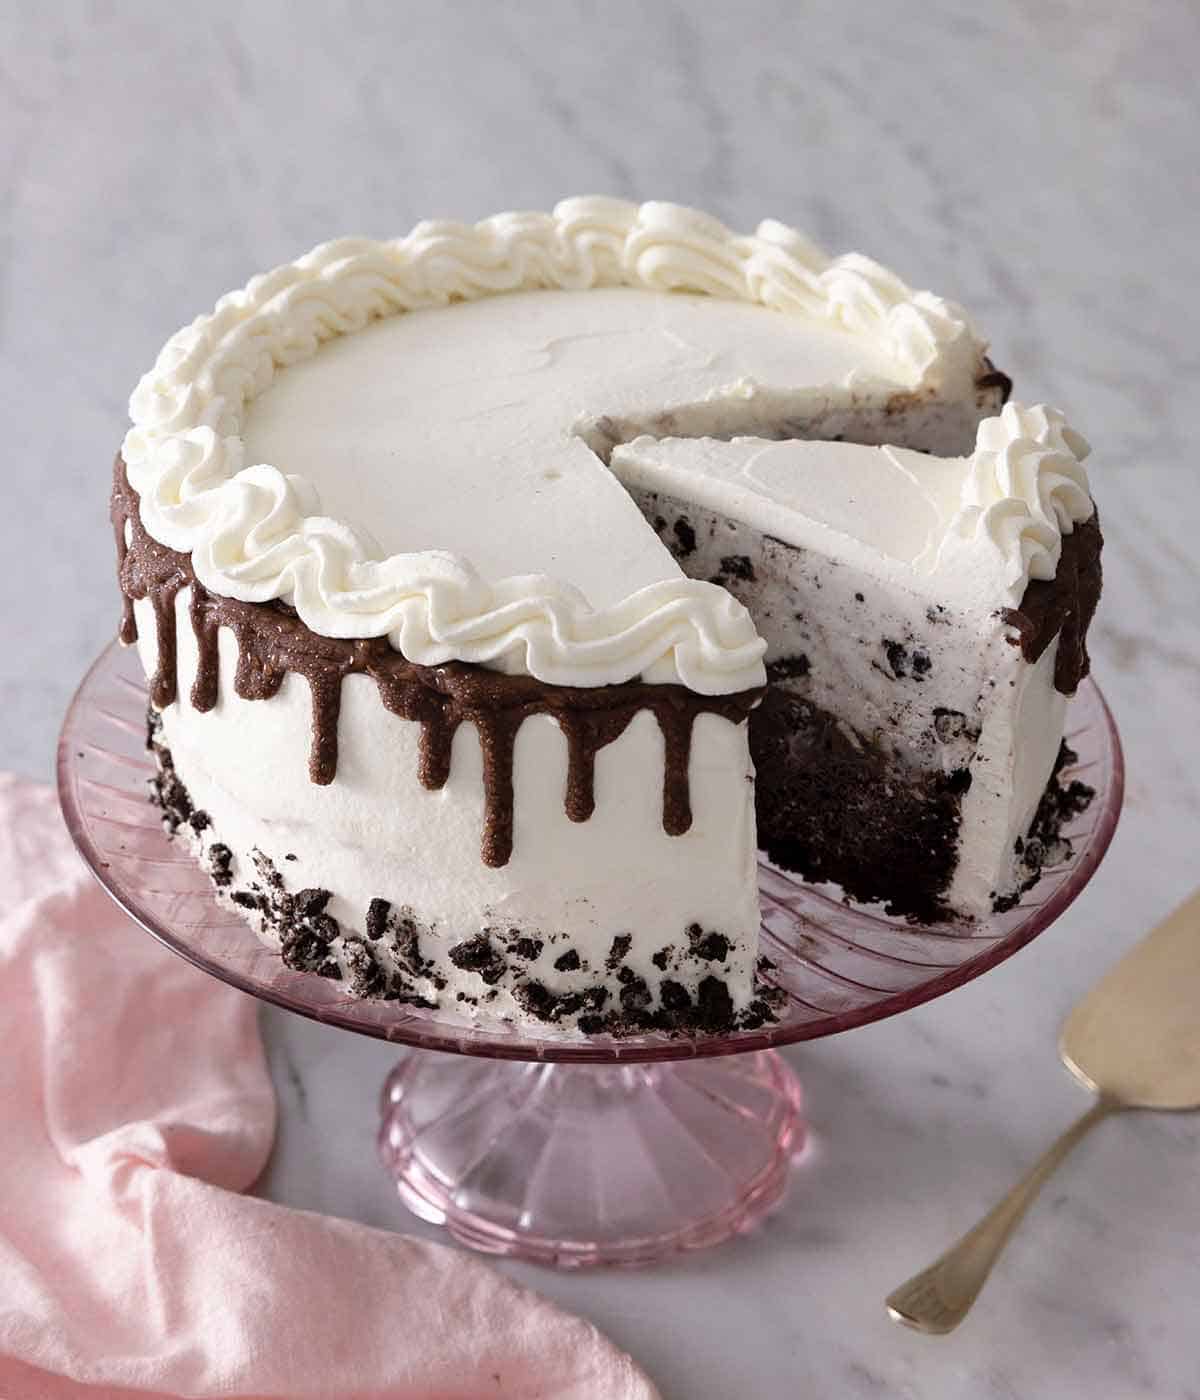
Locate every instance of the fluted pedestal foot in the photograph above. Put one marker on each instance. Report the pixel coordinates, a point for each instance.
(583, 1165)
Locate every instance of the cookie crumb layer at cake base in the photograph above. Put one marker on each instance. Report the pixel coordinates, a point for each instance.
(495, 970)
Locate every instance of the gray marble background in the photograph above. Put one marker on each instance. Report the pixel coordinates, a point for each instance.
(1036, 159)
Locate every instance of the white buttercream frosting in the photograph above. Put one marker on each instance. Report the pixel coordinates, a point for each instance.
(1025, 489)
(967, 531)
(378, 832)
(260, 529)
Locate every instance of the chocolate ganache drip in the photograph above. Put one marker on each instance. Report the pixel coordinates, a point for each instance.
(1062, 607)
(272, 641)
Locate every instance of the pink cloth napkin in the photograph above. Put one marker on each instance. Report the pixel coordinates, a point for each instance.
(134, 1106)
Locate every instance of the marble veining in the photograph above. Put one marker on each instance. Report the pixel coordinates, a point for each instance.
(1035, 161)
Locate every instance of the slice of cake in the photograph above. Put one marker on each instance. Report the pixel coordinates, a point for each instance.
(918, 682)
(455, 620)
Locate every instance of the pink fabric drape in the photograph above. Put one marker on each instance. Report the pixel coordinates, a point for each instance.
(135, 1106)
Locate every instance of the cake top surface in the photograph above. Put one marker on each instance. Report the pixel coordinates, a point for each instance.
(429, 477)
(465, 429)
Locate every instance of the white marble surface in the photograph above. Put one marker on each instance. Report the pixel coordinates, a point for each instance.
(1036, 160)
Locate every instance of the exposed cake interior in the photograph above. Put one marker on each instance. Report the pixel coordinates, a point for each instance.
(903, 746)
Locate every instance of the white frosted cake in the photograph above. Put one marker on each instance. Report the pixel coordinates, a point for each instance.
(473, 632)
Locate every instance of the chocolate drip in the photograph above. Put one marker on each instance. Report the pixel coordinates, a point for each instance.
(497, 737)
(326, 687)
(581, 775)
(586, 736)
(149, 569)
(676, 725)
(127, 631)
(165, 683)
(993, 378)
(1062, 607)
(438, 722)
(437, 742)
(206, 629)
(272, 641)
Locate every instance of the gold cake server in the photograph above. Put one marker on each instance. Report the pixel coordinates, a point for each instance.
(1134, 1041)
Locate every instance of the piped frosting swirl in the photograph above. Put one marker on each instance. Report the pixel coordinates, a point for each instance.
(1025, 489)
(257, 533)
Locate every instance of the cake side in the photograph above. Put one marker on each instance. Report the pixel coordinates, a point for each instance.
(430, 867)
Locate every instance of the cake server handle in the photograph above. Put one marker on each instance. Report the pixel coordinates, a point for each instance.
(938, 1298)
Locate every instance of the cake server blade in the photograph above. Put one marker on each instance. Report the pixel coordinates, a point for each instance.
(1134, 1041)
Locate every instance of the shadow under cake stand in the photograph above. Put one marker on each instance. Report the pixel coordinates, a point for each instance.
(566, 1151)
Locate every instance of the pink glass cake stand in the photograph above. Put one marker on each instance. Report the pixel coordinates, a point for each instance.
(566, 1151)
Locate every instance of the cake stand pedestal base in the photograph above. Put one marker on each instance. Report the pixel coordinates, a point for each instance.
(583, 1165)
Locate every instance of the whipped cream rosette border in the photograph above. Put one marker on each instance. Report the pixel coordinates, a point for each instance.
(1025, 489)
(256, 533)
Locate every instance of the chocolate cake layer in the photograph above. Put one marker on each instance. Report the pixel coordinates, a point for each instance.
(832, 807)
(835, 807)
